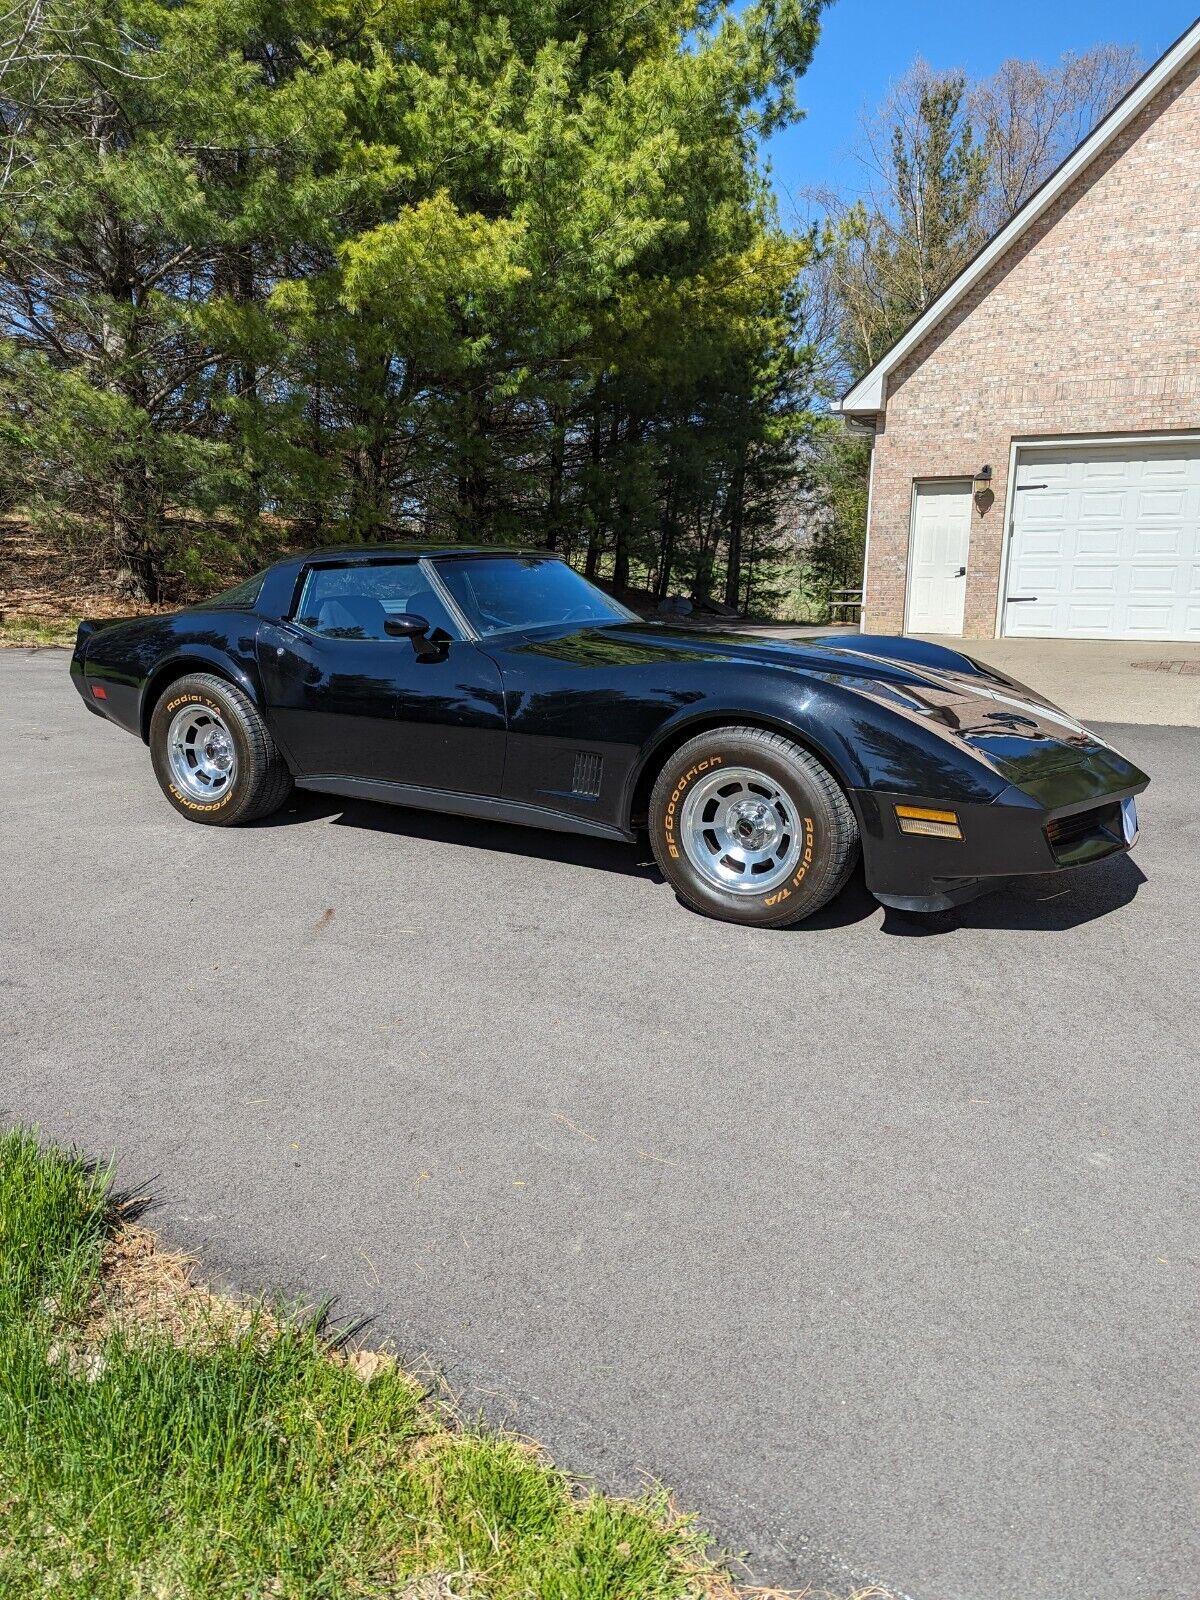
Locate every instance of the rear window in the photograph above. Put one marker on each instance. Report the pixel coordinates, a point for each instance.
(242, 597)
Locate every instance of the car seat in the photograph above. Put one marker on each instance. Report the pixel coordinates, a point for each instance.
(344, 613)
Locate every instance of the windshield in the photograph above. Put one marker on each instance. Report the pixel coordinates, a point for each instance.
(506, 593)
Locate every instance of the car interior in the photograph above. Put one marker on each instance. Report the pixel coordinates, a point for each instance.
(355, 602)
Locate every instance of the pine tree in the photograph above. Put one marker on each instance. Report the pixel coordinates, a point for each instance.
(490, 270)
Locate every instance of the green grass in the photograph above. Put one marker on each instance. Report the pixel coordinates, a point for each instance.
(241, 1460)
(38, 631)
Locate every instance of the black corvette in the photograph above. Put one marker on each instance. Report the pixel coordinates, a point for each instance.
(502, 684)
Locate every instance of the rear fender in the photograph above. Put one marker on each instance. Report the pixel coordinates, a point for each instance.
(193, 657)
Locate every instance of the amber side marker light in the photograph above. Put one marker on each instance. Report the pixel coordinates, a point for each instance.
(936, 824)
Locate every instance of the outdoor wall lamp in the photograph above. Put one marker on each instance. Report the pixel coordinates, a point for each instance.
(982, 481)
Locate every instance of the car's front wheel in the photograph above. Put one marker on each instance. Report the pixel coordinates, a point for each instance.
(213, 754)
(750, 827)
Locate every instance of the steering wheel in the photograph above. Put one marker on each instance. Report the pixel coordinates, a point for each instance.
(580, 613)
(493, 623)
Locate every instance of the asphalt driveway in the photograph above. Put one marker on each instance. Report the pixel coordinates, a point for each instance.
(873, 1238)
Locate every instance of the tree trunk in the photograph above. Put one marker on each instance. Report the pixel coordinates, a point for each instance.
(134, 529)
(136, 515)
(369, 507)
(624, 519)
(620, 576)
(245, 292)
(592, 560)
(737, 512)
(708, 539)
(558, 438)
(314, 414)
(474, 490)
(596, 496)
(666, 560)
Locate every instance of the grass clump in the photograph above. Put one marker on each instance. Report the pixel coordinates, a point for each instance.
(38, 632)
(159, 1441)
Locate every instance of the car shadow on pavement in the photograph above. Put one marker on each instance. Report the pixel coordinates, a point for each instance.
(855, 904)
(437, 827)
(1053, 903)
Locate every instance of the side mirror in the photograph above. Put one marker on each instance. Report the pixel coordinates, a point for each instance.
(409, 626)
(405, 626)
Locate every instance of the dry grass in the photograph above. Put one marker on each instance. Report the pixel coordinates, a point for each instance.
(45, 581)
(145, 1290)
(48, 583)
(46, 588)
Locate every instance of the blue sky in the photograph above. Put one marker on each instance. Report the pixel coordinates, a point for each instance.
(867, 44)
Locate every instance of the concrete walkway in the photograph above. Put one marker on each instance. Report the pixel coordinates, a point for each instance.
(1152, 683)
(1102, 680)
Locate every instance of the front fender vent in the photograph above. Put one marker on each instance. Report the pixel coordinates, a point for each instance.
(588, 768)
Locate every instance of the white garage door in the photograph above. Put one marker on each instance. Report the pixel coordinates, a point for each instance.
(1106, 543)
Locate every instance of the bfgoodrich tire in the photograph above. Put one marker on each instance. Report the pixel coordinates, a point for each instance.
(213, 754)
(750, 827)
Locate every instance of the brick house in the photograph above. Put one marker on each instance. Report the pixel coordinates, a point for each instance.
(1036, 434)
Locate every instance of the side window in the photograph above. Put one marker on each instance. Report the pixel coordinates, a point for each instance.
(354, 602)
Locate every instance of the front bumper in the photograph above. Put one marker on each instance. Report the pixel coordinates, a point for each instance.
(1018, 834)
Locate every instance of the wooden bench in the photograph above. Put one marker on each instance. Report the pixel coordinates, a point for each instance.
(848, 601)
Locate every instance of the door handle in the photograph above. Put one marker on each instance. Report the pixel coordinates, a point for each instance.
(960, 572)
(1021, 599)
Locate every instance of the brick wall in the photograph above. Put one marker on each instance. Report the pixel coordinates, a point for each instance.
(1090, 324)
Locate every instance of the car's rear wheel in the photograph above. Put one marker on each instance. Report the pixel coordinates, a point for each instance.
(750, 827)
(213, 754)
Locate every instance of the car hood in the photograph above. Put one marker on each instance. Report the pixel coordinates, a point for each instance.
(1018, 732)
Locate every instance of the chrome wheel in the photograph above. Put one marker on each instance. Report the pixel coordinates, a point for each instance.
(740, 831)
(201, 753)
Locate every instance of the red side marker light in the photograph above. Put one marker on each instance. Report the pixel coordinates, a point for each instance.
(99, 692)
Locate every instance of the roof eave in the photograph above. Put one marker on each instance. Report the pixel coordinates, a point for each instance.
(868, 396)
(864, 424)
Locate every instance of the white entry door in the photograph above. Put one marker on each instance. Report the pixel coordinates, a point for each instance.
(937, 573)
(1105, 543)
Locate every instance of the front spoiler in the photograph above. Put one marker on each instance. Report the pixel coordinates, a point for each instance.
(953, 894)
(1002, 840)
